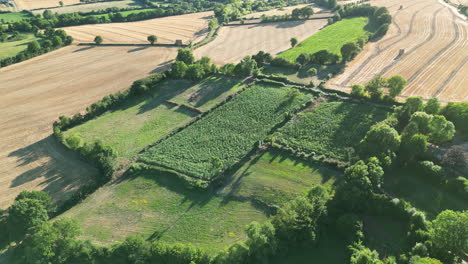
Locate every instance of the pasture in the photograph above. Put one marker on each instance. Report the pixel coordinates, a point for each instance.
(331, 38)
(434, 62)
(12, 48)
(157, 206)
(224, 136)
(35, 92)
(126, 13)
(190, 27)
(13, 17)
(144, 120)
(247, 40)
(330, 129)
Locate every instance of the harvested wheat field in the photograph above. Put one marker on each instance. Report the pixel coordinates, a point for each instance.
(435, 59)
(36, 92)
(235, 42)
(89, 7)
(36, 4)
(167, 29)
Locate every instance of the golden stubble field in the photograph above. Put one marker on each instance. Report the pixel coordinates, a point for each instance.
(435, 62)
(235, 42)
(36, 92)
(167, 29)
(35, 4)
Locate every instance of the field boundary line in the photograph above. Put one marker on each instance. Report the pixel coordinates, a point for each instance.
(132, 45)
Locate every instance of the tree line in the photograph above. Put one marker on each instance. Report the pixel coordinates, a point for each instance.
(49, 40)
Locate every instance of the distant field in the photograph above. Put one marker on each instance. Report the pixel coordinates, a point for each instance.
(189, 27)
(35, 4)
(159, 207)
(141, 122)
(12, 48)
(126, 13)
(235, 42)
(89, 7)
(275, 177)
(330, 129)
(228, 133)
(435, 60)
(13, 16)
(331, 38)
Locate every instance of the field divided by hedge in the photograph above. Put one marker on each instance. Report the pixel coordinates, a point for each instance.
(330, 129)
(331, 38)
(226, 135)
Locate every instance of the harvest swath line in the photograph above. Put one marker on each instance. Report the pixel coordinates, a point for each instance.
(438, 54)
(431, 36)
(378, 49)
(452, 74)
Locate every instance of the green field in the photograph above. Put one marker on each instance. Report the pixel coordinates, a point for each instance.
(227, 134)
(139, 123)
(411, 185)
(157, 206)
(12, 48)
(275, 177)
(331, 38)
(331, 129)
(13, 16)
(126, 13)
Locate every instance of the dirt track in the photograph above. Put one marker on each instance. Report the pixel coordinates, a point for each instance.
(167, 29)
(434, 38)
(235, 42)
(37, 91)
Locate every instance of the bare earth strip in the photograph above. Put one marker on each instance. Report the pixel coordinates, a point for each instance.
(167, 29)
(236, 42)
(35, 4)
(435, 41)
(63, 82)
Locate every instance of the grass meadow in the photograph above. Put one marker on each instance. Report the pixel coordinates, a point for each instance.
(330, 129)
(223, 137)
(141, 122)
(331, 38)
(13, 17)
(12, 48)
(160, 207)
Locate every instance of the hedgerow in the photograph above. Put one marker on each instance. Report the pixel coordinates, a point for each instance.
(220, 139)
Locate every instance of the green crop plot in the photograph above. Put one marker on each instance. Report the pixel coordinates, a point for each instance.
(330, 129)
(227, 134)
(331, 38)
(141, 122)
(13, 47)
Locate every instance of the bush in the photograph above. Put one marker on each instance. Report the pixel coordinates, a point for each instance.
(312, 72)
(434, 172)
(281, 62)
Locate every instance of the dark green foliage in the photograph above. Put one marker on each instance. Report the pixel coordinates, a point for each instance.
(178, 69)
(98, 40)
(363, 255)
(195, 72)
(380, 141)
(350, 227)
(349, 51)
(432, 106)
(33, 47)
(41, 196)
(246, 67)
(262, 57)
(186, 56)
(458, 114)
(294, 42)
(455, 157)
(449, 235)
(25, 215)
(412, 105)
(261, 241)
(152, 39)
(358, 91)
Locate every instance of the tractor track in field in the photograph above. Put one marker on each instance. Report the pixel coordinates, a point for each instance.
(379, 48)
(424, 42)
(450, 77)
